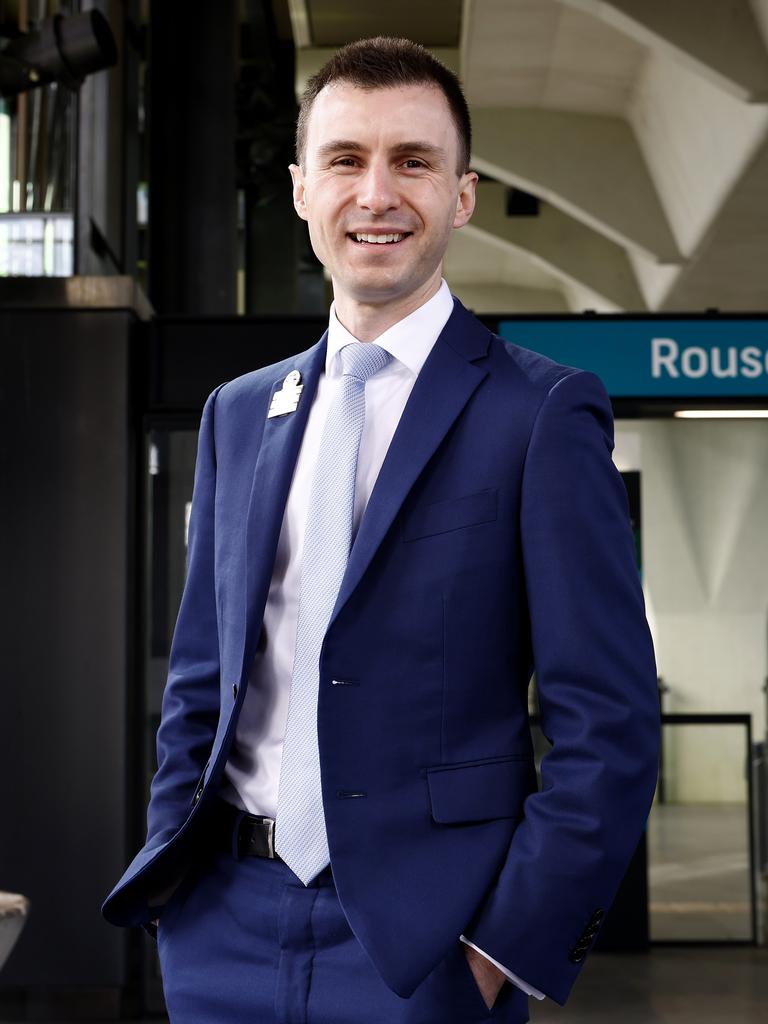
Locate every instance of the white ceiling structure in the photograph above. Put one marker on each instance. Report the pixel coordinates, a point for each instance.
(640, 125)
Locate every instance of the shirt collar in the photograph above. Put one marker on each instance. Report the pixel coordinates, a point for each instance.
(410, 340)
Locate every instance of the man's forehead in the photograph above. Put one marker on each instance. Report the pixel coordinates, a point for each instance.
(374, 111)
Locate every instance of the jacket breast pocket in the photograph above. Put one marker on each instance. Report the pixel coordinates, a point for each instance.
(478, 790)
(452, 514)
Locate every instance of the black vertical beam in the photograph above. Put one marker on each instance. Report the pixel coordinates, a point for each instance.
(192, 195)
(282, 273)
(105, 155)
(266, 120)
(271, 255)
(131, 61)
(66, 547)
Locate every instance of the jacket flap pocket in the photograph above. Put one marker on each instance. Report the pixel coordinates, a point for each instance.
(441, 516)
(474, 791)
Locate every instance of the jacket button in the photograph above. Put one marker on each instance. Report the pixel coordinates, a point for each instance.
(234, 689)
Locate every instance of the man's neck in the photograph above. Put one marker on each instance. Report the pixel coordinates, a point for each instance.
(368, 321)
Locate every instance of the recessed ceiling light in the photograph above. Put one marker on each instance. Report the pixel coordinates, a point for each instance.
(722, 414)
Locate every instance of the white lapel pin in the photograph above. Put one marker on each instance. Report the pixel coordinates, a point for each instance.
(286, 399)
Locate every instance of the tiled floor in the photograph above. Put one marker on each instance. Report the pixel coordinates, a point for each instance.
(667, 986)
(699, 872)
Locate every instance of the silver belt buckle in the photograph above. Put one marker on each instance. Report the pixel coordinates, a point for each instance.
(270, 823)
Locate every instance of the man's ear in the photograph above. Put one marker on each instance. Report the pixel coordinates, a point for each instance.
(299, 200)
(465, 201)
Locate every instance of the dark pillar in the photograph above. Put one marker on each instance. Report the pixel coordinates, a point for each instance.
(107, 152)
(192, 193)
(270, 252)
(281, 273)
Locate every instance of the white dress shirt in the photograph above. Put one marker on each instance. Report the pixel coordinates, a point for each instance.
(252, 771)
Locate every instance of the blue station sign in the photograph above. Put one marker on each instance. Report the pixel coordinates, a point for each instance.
(648, 357)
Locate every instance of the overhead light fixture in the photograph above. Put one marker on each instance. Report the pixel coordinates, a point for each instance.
(65, 49)
(722, 414)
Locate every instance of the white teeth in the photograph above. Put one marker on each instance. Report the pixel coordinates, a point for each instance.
(379, 239)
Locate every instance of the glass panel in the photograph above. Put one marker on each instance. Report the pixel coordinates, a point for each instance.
(37, 182)
(37, 246)
(171, 461)
(698, 836)
(171, 470)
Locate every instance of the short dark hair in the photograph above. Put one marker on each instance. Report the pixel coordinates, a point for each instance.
(383, 62)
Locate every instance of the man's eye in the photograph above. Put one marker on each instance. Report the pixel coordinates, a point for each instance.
(345, 161)
(414, 164)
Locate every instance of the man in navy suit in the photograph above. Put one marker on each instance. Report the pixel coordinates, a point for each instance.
(489, 538)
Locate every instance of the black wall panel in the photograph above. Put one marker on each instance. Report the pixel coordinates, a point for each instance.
(66, 478)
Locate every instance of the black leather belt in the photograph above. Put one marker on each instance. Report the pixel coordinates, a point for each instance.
(246, 835)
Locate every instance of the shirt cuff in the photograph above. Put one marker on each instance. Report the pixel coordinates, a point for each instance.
(512, 977)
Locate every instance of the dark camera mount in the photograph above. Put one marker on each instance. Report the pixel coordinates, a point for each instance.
(64, 49)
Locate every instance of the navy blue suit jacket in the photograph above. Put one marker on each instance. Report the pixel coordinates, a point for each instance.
(496, 542)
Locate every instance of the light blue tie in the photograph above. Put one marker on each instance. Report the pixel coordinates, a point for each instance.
(300, 836)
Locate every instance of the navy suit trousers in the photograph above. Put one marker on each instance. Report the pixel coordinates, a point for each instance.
(244, 940)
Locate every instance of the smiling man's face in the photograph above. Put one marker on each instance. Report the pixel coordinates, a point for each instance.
(380, 189)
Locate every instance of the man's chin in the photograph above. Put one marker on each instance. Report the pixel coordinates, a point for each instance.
(377, 288)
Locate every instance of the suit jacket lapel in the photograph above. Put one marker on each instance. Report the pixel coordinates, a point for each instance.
(444, 385)
(280, 443)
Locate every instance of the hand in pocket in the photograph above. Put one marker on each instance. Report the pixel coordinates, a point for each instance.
(488, 977)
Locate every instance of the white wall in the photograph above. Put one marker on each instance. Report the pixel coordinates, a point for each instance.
(500, 298)
(696, 139)
(704, 507)
(760, 7)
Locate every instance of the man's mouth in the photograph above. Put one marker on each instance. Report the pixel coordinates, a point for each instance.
(378, 239)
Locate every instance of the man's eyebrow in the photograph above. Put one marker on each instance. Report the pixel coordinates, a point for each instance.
(425, 148)
(350, 146)
(336, 145)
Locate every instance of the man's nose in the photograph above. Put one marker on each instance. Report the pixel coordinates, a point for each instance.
(378, 190)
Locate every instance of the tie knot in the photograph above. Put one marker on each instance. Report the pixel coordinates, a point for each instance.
(362, 359)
